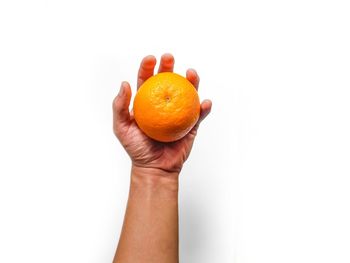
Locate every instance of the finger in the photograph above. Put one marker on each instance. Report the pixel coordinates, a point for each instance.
(146, 69)
(166, 63)
(121, 115)
(205, 110)
(193, 77)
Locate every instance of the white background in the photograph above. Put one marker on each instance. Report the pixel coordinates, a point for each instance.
(268, 178)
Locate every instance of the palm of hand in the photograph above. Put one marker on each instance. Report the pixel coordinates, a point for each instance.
(144, 151)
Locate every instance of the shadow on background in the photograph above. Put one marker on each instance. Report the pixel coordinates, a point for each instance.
(192, 231)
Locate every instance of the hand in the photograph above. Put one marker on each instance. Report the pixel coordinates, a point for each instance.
(144, 151)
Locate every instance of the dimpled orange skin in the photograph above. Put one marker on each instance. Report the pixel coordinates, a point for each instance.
(166, 107)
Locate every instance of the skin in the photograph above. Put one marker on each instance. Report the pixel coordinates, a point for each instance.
(150, 228)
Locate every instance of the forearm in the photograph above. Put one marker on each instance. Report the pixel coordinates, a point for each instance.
(150, 229)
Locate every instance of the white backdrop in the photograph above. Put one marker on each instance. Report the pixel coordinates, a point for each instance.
(268, 178)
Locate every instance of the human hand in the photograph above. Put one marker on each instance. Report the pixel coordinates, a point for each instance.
(144, 151)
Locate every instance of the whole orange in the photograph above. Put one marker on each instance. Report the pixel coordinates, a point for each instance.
(166, 107)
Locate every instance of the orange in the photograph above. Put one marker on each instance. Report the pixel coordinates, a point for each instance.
(166, 107)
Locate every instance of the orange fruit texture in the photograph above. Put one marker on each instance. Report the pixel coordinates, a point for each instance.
(166, 107)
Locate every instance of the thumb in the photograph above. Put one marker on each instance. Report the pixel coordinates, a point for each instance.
(121, 115)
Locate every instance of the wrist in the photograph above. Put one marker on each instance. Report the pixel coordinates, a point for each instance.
(153, 183)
